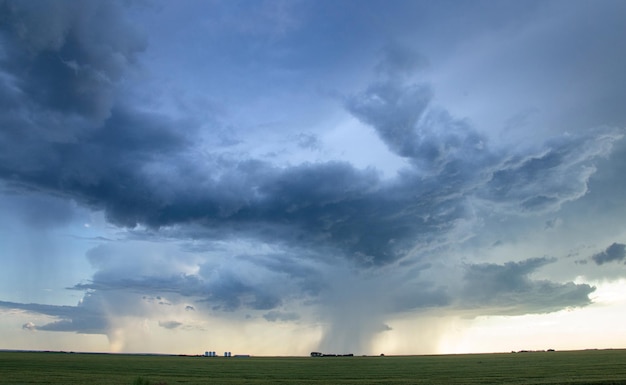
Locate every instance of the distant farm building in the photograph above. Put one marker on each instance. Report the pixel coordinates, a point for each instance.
(318, 354)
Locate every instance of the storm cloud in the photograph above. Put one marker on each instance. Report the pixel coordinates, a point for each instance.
(143, 168)
(192, 222)
(508, 289)
(66, 59)
(616, 252)
(83, 318)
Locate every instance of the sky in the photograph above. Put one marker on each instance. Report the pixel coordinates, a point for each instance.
(280, 177)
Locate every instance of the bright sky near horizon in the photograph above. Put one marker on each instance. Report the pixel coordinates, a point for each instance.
(279, 177)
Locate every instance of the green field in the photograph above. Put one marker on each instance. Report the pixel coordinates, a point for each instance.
(576, 367)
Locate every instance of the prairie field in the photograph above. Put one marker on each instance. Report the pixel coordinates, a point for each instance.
(566, 367)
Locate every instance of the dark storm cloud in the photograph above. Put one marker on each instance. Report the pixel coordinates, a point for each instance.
(557, 174)
(614, 253)
(450, 151)
(608, 185)
(223, 287)
(143, 168)
(65, 131)
(508, 289)
(295, 267)
(101, 170)
(66, 56)
(93, 314)
(334, 204)
(404, 117)
(230, 292)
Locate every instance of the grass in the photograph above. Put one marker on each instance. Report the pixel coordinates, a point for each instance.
(600, 367)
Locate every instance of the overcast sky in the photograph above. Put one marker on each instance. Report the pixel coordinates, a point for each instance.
(277, 177)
